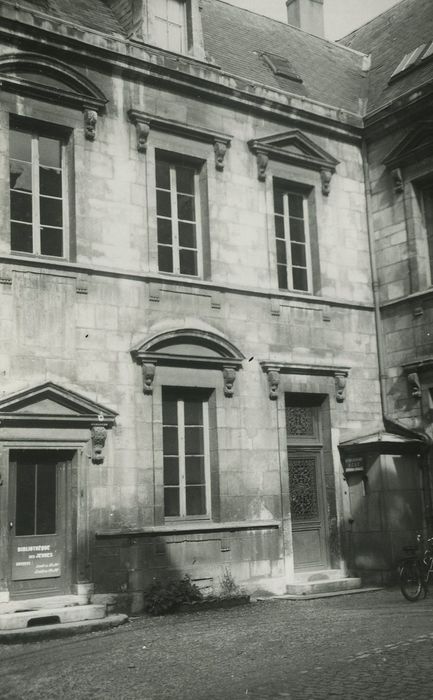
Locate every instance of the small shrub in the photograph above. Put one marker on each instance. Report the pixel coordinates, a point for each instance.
(163, 597)
(228, 586)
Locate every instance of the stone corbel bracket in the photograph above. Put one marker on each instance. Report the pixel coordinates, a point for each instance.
(144, 123)
(148, 370)
(274, 370)
(414, 385)
(98, 436)
(229, 376)
(90, 121)
(397, 179)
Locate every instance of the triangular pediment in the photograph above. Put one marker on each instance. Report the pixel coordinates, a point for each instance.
(294, 146)
(50, 402)
(416, 145)
(49, 80)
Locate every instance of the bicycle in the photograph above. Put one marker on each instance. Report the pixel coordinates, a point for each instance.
(415, 570)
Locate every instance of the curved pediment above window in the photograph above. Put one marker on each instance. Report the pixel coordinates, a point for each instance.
(295, 148)
(49, 80)
(188, 347)
(416, 145)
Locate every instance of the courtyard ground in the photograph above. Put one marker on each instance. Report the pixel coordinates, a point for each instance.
(373, 645)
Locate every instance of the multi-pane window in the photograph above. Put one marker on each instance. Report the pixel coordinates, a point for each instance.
(186, 455)
(170, 25)
(178, 215)
(292, 239)
(37, 200)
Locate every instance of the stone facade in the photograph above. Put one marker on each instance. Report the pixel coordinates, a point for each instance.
(107, 327)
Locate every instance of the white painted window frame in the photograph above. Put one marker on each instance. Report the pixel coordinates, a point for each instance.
(288, 240)
(165, 19)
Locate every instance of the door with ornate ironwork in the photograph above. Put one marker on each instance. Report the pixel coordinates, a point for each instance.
(306, 482)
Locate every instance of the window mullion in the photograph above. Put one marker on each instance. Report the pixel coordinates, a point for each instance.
(175, 221)
(181, 438)
(288, 240)
(36, 228)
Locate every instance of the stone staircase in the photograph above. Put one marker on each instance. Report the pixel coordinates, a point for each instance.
(312, 583)
(56, 616)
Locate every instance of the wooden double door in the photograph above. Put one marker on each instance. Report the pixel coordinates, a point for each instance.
(39, 523)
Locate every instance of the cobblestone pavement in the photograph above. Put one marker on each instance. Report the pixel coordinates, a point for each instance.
(374, 645)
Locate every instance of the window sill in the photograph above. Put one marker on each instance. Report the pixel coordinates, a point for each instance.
(179, 528)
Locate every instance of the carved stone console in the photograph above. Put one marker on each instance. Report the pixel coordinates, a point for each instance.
(98, 436)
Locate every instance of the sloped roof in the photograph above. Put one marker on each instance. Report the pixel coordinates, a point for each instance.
(236, 39)
(388, 38)
(92, 15)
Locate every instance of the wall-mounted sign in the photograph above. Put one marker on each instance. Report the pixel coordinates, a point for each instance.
(35, 559)
(354, 464)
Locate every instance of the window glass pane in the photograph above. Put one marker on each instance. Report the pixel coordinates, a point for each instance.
(185, 180)
(281, 252)
(161, 32)
(282, 277)
(193, 413)
(171, 502)
(20, 145)
(163, 203)
(164, 231)
(195, 500)
(194, 441)
(297, 230)
(169, 412)
(21, 206)
(194, 470)
(175, 38)
(300, 280)
(165, 258)
(187, 262)
(52, 241)
(299, 257)
(175, 10)
(185, 207)
(171, 471)
(25, 500)
(20, 175)
(50, 152)
(51, 211)
(21, 237)
(50, 182)
(162, 174)
(279, 226)
(46, 499)
(187, 236)
(296, 205)
(278, 201)
(170, 440)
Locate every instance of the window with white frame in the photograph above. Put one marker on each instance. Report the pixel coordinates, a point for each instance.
(292, 238)
(185, 418)
(38, 202)
(170, 23)
(178, 217)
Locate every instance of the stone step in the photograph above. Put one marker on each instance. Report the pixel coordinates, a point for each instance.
(315, 587)
(318, 575)
(69, 629)
(59, 601)
(50, 616)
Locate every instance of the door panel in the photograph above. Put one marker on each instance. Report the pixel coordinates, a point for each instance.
(307, 509)
(38, 518)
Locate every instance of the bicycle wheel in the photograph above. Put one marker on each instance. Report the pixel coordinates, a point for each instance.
(410, 581)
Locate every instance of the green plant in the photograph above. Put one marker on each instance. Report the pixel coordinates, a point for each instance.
(163, 597)
(228, 586)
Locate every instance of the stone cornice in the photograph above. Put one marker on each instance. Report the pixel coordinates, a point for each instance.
(70, 269)
(178, 528)
(177, 73)
(310, 369)
(419, 365)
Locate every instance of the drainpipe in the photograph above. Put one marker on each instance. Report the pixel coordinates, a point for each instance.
(423, 458)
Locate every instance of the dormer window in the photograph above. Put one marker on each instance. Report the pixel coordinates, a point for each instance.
(170, 23)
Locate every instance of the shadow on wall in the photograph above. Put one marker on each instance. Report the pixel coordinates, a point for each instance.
(386, 514)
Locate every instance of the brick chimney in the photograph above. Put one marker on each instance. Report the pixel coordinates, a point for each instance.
(307, 15)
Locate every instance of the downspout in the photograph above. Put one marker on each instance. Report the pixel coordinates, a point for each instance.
(423, 458)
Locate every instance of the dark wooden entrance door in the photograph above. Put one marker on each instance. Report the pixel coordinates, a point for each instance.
(305, 453)
(38, 524)
(307, 510)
